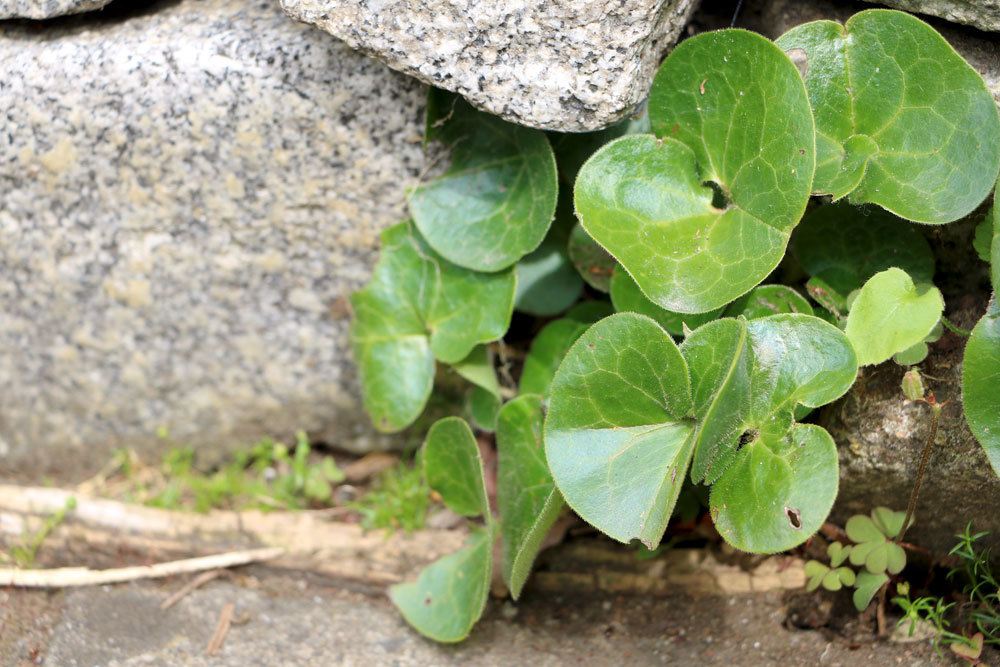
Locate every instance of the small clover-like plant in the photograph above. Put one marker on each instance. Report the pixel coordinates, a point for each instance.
(902, 121)
(834, 576)
(631, 415)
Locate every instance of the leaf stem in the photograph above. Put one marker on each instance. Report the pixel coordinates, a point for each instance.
(925, 457)
(955, 329)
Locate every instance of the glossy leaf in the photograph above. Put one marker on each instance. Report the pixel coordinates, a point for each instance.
(890, 315)
(573, 148)
(450, 595)
(592, 262)
(981, 384)
(628, 298)
(418, 307)
(615, 435)
(547, 351)
(766, 300)
(526, 495)
(844, 246)
(497, 198)
(729, 108)
(454, 468)
(902, 120)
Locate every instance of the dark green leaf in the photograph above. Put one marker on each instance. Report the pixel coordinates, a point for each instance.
(592, 262)
(547, 282)
(981, 384)
(547, 351)
(765, 300)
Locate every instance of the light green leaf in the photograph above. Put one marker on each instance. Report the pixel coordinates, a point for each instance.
(615, 436)
(778, 491)
(454, 468)
(478, 369)
(837, 553)
(418, 307)
(981, 384)
(450, 595)
(547, 282)
(526, 495)
(844, 246)
(729, 108)
(592, 262)
(866, 586)
(902, 120)
(765, 300)
(483, 407)
(913, 355)
(497, 198)
(547, 351)
(890, 315)
(861, 528)
(815, 572)
(888, 521)
(628, 298)
(573, 148)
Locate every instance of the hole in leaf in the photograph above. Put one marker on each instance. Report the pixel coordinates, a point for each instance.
(427, 601)
(794, 517)
(746, 438)
(720, 199)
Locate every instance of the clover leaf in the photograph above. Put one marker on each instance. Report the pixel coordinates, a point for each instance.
(497, 198)
(980, 380)
(902, 121)
(627, 297)
(729, 109)
(629, 411)
(890, 315)
(831, 578)
(843, 246)
(765, 300)
(873, 546)
(866, 586)
(526, 496)
(449, 595)
(417, 308)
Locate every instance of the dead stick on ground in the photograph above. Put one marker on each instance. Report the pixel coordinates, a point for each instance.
(221, 629)
(197, 582)
(81, 576)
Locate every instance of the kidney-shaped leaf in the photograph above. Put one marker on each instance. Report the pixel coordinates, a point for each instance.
(845, 245)
(890, 315)
(981, 384)
(526, 495)
(729, 108)
(454, 468)
(497, 199)
(450, 594)
(902, 120)
(418, 307)
(616, 437)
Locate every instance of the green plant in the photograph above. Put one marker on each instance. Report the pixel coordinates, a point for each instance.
(24, 553)
(689, 370)
(398, 500)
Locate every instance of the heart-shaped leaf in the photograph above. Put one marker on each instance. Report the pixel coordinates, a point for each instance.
(628, 298)
(730, 109)
(890, 523)
(573, 148)
(844, 246)
(902, 120)
(981, 383)
(526, 495)
(454, 468)
(547, 351)
(837, 553)
(450, 595)
(866, 586)
(815, 572)
(616, 437)
(766, 300)
(891, 314)
(418, 307)
(497, 198)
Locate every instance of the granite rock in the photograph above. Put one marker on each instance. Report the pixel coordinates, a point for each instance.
(569, 65)
(983, 14)
(189, 195)
(46, 9)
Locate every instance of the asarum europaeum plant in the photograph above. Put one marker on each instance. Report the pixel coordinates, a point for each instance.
(691, 369)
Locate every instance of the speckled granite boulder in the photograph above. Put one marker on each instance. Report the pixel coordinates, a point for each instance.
(45, 9)
(983, 14)
(568, 65)
(188, 196)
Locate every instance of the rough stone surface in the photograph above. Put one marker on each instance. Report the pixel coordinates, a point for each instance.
(189, 195)
(45, 9)
(304, 622)
(568, 65)
(983, 14)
